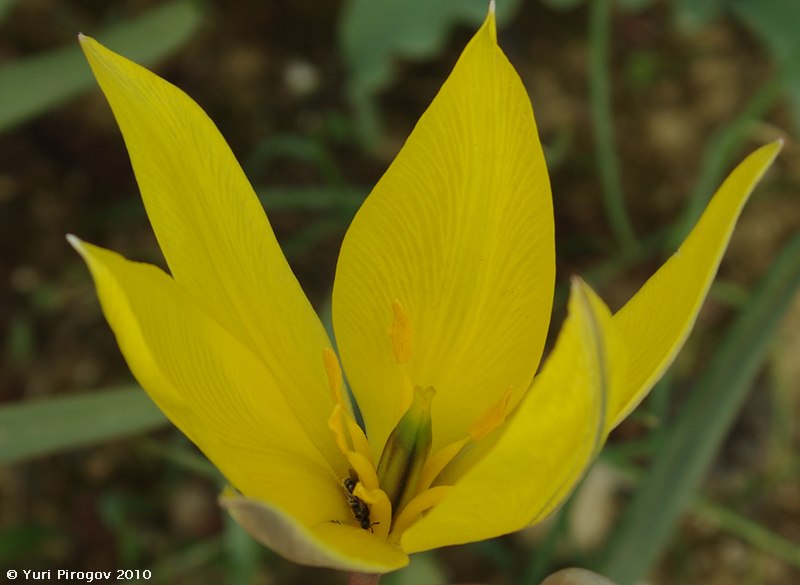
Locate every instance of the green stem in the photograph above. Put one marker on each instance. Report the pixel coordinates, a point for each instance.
(600, 96)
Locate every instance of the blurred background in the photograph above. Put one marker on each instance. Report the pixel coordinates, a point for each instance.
(643, 107)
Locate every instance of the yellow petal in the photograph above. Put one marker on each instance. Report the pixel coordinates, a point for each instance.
(210, 385)
(218, 393)
(214, 233)
(445, 277)
(326, 544)
(545, 446)
(657, 320)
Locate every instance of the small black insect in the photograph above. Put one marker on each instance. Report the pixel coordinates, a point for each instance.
(357, 505)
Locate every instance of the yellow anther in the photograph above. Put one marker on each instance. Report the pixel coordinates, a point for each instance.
(400, 332)
(348, 435)
(494, 416)
(380, 509)
(364, 494)
(364, 470)
(411, 513)
(334, 373)
(336, 426)
(358, 438)
(438, 461)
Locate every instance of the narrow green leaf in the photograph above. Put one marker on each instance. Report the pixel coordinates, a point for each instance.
(776, 22)
(701, 426)
(294, 147)
(373, 34)
(725, 142)
(750, 532)
(346, 199)
(602, 120)
(31, 429)
(34, 85)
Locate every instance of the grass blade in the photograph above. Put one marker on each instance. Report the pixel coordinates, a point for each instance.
(600, 93)
(701, 426)
(31, 429)
(36, 84)
(726, 142)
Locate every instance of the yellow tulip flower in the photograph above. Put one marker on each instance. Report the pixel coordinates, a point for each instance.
(441, 305)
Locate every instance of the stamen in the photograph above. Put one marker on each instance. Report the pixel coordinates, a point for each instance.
(438, 461)
(336, 426)
(358, 438)
(352, 442)
(380, 509)
(334, 373)
(400, 332)
(364, 470)
(349, 436)
(424, 501)
(494, 416)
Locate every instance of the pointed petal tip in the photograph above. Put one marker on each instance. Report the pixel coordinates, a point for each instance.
(578, 286)
(85, 249)
(776, 145)
(658, 319)
(85, 40)
(771, 150)
(575, 281)
(92, 49)
(490, 22)
(75, 242)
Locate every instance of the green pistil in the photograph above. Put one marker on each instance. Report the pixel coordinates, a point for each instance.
(406, 450)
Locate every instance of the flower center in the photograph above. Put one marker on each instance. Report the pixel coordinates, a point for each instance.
(389, 498)
(406, 450)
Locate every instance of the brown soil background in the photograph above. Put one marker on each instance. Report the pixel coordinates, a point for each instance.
(67, 171)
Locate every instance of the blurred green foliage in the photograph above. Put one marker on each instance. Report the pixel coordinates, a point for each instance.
(372, 36)
(695, 436)
(5, 5)
(777, 24)
(33, 429)
(34, 85)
